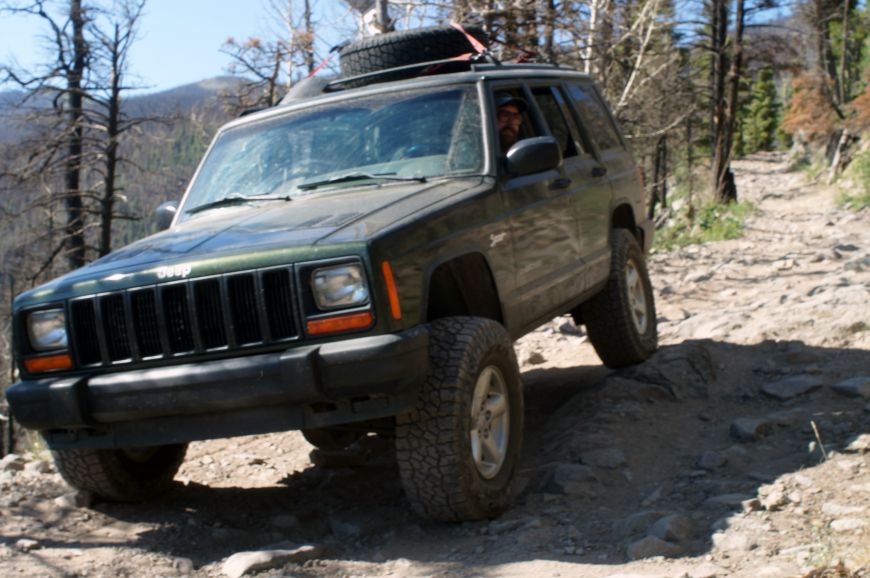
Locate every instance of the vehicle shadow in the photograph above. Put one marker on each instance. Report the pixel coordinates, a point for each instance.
(601, 449)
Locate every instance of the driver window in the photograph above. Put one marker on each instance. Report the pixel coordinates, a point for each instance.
(511, 118)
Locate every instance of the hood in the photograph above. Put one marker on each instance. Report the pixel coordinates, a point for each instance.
(229, 238)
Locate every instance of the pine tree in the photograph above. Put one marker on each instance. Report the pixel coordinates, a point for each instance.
(759, 120)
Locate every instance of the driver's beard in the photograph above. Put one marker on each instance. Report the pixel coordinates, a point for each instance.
(507, 137)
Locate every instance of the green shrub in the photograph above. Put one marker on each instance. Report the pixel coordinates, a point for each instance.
(712, 222)
(857, 172)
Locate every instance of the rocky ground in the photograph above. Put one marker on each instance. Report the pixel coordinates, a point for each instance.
(740, 449)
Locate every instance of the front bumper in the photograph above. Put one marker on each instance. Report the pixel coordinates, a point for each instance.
(308, 386)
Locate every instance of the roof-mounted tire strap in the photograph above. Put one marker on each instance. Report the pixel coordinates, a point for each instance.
(478, 46)
(332, 52)
(479, 51)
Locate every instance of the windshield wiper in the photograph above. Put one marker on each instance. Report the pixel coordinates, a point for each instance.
(357, 176)
(237, 199)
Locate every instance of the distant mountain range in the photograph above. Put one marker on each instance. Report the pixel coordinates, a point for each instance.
(180, 99)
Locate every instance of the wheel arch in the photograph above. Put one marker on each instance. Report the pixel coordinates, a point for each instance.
(461, 284)
(623, 218)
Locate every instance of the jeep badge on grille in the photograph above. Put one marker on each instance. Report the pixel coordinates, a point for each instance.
(178, 271)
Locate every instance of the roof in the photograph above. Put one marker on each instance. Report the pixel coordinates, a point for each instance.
(315, 86)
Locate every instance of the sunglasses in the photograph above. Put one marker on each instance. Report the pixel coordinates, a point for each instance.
(508, 116)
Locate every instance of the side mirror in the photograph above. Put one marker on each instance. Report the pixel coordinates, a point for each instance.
(164, 214)
(533, 155)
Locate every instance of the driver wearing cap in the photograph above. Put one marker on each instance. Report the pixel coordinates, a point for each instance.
(509, 116)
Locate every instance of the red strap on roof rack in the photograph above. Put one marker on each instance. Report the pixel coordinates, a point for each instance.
(475, 43)
(323, 63)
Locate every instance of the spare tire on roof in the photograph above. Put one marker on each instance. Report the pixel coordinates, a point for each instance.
(406, 47)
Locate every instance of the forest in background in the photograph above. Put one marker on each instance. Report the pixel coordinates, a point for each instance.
(694, 84)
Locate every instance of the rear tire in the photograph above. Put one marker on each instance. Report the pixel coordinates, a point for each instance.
(458, 449)
(121, 475)
(621, 319)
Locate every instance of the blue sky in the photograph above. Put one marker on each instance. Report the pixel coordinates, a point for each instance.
(179, 40)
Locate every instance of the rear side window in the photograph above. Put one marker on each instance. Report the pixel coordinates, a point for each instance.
(595, 116)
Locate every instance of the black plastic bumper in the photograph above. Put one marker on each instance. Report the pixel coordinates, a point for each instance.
(307, 386)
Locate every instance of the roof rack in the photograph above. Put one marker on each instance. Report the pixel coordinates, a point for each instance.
(409, 71)
(430, 68)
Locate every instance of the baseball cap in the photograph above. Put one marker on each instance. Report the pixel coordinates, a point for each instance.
(507, 98)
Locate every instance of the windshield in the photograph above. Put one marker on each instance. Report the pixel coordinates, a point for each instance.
(406, 135)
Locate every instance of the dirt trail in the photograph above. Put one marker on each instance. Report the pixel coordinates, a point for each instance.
(703, 462)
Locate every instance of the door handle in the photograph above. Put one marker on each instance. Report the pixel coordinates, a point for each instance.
(599, 171)
(561, 183)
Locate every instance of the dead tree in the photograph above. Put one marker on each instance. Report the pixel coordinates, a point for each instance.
(296, 31)
(114, 35)
(659, 194)
(725, 94)
(261, 64)
(270, 66)
(76, 122)
(62, 80)
(74, 73)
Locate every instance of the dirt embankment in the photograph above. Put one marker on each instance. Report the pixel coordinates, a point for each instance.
(740, 449)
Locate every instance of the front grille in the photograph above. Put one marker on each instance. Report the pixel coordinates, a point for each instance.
(209, 312)
(115, 326)
(185, 318)
(179, 328)
(144, 306)
(243, 305)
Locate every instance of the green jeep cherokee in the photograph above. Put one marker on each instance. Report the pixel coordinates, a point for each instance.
(355, 260)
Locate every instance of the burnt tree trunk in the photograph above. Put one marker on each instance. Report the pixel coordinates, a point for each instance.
(825, 64)
(549, 21)
(75, 224)
(718, 64)
(660, 176)
(724, 187)
(844, 83)
(113, 119)
(309, 41)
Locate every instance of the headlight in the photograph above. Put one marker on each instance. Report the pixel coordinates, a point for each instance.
(47, 329)
(337, 287)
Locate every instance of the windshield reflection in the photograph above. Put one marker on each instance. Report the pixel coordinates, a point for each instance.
(409, 135)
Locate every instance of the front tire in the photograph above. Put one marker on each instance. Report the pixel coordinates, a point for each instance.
(621, 319)
(121, 475)
(458, 449)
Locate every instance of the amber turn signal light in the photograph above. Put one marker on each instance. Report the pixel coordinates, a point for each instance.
(50, 363)
(340, 323)
(392, 293)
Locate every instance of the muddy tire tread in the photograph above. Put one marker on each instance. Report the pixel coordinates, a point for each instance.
(608, 317)
(431, 451)
(106, 474)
